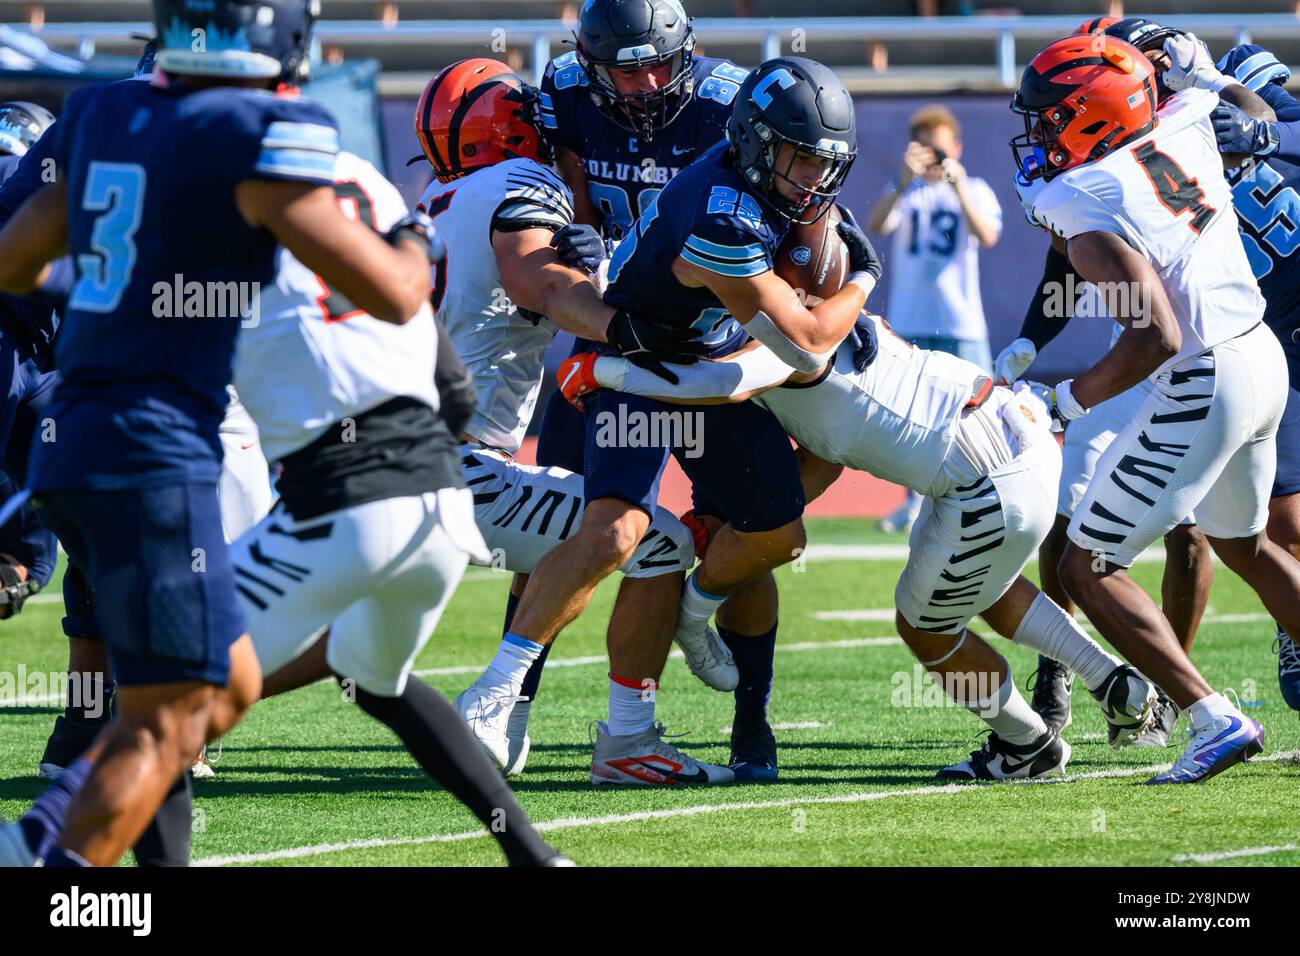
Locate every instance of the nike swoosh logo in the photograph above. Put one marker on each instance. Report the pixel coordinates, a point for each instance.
(573, 370)
(1010, 767)
(683, 152)
(1236, 725)
(698, 777)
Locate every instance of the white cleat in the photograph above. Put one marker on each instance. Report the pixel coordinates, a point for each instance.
(487, 718)
(14, 850)
(646, 759)
(201, 769)
(706, 656)
(1128, 702)
(518, 741)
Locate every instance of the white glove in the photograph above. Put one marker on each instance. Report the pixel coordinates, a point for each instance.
(1013, 361)
(1191, 66)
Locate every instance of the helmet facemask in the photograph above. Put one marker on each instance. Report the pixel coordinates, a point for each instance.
(643, 114)
(810, 202)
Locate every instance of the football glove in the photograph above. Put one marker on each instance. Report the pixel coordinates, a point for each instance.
(1013, 361)
(1238, 132)
(1191, 66)
(862, 338)
(649, 344)
(864, 263)
(579, 246)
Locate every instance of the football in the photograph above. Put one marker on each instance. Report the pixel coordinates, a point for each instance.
(814, 259)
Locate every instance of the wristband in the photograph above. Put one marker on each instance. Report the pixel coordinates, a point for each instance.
(1066, 404)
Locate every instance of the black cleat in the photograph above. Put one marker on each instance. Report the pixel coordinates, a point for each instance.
(1128, 702)
(1051, 685)
(753, 748)
(999, 760)
(69, 740)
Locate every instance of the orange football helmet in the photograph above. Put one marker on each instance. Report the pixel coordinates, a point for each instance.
(1080, 98)
(1095, 25)
(476, 113)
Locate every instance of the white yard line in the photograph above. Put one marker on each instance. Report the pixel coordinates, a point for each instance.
(1233, 854)
(793, 725)
(570, 823)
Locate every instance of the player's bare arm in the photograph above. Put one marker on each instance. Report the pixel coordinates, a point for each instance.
(569, 165)
(1151, 336)
(388, 282)
(536, 280)
(36, 235)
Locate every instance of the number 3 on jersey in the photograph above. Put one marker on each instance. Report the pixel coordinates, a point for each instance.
(1177, 192)
(116, 192)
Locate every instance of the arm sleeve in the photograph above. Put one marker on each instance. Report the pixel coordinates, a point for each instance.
(535, 198)
(747, 372)
(1038, 327)
(457, 396)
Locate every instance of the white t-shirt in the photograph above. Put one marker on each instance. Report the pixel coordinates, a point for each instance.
(934, 279)
(1165, 195)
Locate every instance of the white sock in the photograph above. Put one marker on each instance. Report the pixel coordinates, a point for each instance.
(631, 706)
(1046, 628)
(699, 605)
(1009, 714)
(505, 675)
(1208, 708)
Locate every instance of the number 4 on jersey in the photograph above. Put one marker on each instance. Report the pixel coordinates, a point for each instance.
(1177, 192)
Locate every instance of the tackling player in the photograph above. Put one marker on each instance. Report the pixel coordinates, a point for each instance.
(1141, 202)
(142, 396)
(987, 465)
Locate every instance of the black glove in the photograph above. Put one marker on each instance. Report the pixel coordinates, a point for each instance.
(862, 254)
(579, 246)
(650, 344)
(418, 227)
(863, 339)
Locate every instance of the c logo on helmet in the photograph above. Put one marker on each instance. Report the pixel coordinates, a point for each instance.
(761, 97)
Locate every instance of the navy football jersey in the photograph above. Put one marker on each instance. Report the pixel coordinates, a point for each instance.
(708, 217)
(624, 174)
(36, 316)
(151, 176)
(1268, 210)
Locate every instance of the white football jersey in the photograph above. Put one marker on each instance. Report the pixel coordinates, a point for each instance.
(501, 348)
(1166, 196)
(896, 420)
(313, 358)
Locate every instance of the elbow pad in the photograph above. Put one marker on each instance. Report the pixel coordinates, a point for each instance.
(799, 359)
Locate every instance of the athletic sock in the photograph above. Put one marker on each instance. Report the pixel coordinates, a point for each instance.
(515, 655)
(698, 605)
(44, 821)
(1009, 714)
(443, 746)
(166, 840)
(1209, 708)
(1046, 628)
(753, 656)
(631, 705)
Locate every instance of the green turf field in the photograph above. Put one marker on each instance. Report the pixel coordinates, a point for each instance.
(310, 780)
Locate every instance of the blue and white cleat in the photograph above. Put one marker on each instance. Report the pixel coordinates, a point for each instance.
(1288, 668)
(1222, 743)
(753, 747)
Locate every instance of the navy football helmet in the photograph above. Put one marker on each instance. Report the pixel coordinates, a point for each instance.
(1146, 35)
(21, 125)
(262, 39)
(797, 101)
(627, 35)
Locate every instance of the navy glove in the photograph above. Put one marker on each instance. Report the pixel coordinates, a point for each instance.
(862, 254)
(649, 344)
(1237, 132)
(579, 246)
(418, 227)
(862, 337)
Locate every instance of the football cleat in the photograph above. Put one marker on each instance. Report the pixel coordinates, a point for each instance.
(487, 717)
(646, 759)
(517, 738)
(1051, 685)
(1167, 714)
(707, 657)
(1288, 668)
(999, 760)
(753, 749)
(69, 739)
(1128, 702)
(1220, 744)
(201, 768)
